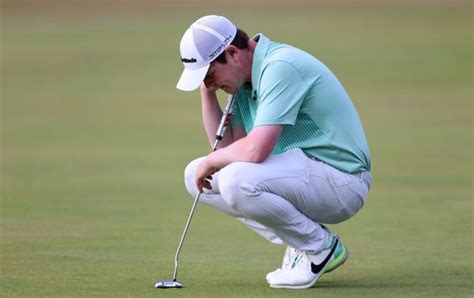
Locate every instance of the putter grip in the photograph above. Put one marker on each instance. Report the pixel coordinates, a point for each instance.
(224, 120)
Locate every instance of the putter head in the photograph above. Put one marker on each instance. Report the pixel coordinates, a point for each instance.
(166, 284)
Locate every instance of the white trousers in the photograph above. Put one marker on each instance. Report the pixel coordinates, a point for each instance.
(286, 197)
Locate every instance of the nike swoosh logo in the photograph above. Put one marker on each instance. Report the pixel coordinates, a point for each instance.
(317, 268)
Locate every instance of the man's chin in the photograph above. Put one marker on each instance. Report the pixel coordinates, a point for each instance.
(228, 90)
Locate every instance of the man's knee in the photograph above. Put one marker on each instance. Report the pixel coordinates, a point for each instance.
(235, 186)
(190, 176)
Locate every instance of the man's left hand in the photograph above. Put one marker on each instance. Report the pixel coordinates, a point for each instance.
(204, 175)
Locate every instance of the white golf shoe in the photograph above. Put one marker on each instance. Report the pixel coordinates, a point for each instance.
(285, 264)
(304, 269)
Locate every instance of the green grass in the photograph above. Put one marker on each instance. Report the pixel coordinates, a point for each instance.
(95, 139)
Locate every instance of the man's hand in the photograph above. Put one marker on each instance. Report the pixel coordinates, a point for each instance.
(207, 90)
(204, 175)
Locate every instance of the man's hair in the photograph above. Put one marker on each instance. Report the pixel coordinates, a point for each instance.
(241, 41)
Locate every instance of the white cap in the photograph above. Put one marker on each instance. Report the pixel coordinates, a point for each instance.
(203, 42)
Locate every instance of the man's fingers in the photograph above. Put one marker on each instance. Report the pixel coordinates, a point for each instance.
(207, 185)
(204, 183)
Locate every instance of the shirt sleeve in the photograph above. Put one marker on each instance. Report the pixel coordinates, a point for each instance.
(280, 95)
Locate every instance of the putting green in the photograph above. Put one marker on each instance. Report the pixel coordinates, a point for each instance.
(95, 139)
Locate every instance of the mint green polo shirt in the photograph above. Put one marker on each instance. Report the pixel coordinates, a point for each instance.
(294, 89)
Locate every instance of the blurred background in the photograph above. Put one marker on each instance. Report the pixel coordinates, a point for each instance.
(95, 138)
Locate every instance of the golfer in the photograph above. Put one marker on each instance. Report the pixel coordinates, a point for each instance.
(295, 156)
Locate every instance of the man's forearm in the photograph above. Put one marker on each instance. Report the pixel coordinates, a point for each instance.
(256, 147)
(211, 116)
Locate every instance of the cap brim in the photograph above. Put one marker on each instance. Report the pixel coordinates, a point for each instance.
(192, 78)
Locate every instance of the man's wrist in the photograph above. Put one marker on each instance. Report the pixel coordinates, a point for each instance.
(208, 96)
(206, 91)
(212, 161)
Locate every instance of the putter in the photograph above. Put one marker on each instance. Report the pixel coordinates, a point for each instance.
(166, 284)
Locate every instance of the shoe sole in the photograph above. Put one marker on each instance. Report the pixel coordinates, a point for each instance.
(309, 285)
(341, 262)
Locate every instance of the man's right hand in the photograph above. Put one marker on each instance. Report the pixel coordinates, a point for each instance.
(208, 90)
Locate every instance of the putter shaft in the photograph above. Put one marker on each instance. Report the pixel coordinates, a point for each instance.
(219, 136)
(190, 216)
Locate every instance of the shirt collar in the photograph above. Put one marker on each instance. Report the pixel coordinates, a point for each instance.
(257, 62)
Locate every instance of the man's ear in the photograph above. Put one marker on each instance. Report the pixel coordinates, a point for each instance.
(232, 52)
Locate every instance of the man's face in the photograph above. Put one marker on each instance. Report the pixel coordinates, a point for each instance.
(228, 76)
